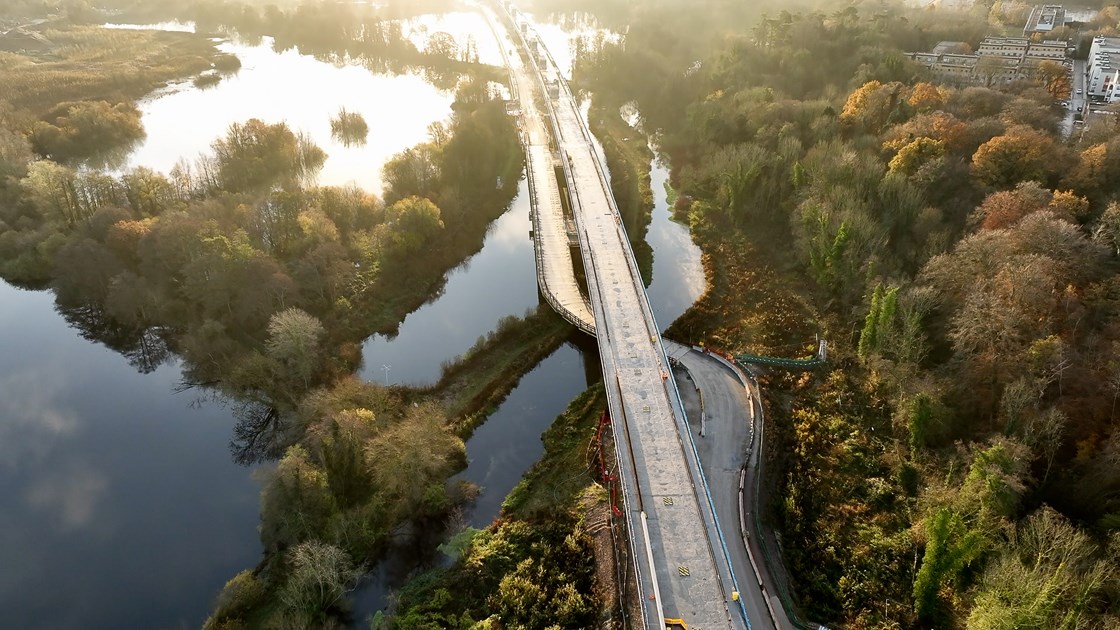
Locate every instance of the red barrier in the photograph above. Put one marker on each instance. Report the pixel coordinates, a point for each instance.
(605, 475)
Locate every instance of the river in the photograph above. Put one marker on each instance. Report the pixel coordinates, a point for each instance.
(120, 505)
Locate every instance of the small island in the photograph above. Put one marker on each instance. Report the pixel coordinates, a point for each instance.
(349, 127)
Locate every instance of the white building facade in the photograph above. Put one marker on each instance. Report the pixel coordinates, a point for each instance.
(1103, 69)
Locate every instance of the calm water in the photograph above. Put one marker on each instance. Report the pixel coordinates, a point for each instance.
(678, 274)
(566, 34)
(504, 448)
(119, 504)
(500, 280)
(468, 28)
(182, 120)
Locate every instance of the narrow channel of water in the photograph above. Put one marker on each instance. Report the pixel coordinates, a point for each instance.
(119, 504)
(678, 274)
(500, 452)
(499, 280)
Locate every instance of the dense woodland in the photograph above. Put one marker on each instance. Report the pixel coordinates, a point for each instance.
(957, 464)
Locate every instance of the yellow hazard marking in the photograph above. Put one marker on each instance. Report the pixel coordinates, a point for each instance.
(683, 570)
(667, 500)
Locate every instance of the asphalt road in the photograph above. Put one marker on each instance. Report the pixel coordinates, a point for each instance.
(731, 441)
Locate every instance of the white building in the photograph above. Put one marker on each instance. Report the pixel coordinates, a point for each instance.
(1104, 68)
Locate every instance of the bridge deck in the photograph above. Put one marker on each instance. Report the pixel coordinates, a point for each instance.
(680, 561)
(555, 274)
(661, 476)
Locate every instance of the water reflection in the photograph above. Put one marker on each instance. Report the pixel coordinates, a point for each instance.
(144, 349)
(182, 120)
(678, 273)
(119, 505)
(566, 35)
(468, 30)
(500, 280)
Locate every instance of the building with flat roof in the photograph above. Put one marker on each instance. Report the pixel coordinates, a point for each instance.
(1045, 18)
(1047, 50)
(951, 47)
(997, 61)
(1103, 68)
(1003, 46)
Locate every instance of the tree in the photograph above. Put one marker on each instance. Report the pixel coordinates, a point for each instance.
(296, 501)
(338, 442)
(1107, 230)
(87, 129)
(50, 187)
(1054, 78)
(977, 102)
(1096, 169)
(294, 340)
(951, 546)
(320, 576)
(925, 97)
(254, 156)
(991, 69)
(918, 153)
(214, 266)
(84, 270)
(413, 172)
(241, 594)
(872, 104)
(1068, 206)
(940, 126)
(1024, 111)
(148, 192)
(1048, 575)
(1005, 208)
(442, 44)
(1010, 310)
(124, 238)
(1021, 154)
(412, 458)
(414, 221)
(15, 155)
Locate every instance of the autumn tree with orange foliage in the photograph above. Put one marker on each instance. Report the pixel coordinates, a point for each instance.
(1020, 154)
(871, 105)
(1054, 78)
(944, 127)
